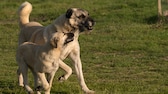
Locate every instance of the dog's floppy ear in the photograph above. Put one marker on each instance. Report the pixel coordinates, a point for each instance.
(69, 13)
(53, 42)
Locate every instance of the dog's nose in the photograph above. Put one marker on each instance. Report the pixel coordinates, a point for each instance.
(90, 24)
(91, 20)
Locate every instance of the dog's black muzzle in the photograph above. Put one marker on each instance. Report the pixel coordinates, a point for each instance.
(87, 25)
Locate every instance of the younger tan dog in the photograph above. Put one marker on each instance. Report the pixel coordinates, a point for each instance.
(41, 59)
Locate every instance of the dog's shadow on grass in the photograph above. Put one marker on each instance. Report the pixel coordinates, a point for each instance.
(152, 19)
(61, 92)
(5, 86)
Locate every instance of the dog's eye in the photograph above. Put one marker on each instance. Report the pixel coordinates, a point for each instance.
(64, 33)
(81, 16)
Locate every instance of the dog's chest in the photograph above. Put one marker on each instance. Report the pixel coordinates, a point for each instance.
(68, 49)
(49, 63)
(49, 67)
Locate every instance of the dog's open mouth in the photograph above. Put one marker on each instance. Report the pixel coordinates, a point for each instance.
(89, 27)
(69, 38)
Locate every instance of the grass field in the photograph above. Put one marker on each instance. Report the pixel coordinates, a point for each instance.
(127, 52)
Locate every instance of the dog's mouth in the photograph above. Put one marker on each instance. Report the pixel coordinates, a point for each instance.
(89, 27)
(69, 38)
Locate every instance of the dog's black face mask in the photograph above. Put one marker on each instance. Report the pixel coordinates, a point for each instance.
(87, 25)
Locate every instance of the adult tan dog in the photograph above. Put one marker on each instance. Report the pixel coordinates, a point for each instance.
(41, 59)
(74, 20)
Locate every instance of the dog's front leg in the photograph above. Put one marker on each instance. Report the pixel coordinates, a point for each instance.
(67, 69)
(75, 56)
(50, 77)
(45, 84)
(36, 81)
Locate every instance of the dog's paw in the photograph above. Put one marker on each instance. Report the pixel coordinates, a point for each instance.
(61, 79)
(30, 92)
(89, 92)
(21, 85)
(39, 88)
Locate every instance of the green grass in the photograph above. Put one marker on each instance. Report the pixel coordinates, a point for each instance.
(127, 53)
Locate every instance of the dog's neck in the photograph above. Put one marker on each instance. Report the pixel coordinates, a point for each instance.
(62, 24)
(49, 49)
(69, 28)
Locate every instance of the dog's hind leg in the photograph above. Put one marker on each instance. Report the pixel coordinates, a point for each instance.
(24, 71)
(20, 77)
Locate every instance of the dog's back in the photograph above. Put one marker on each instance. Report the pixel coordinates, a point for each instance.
(26, 52)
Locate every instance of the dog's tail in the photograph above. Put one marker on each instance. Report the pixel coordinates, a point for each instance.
(24, 12)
